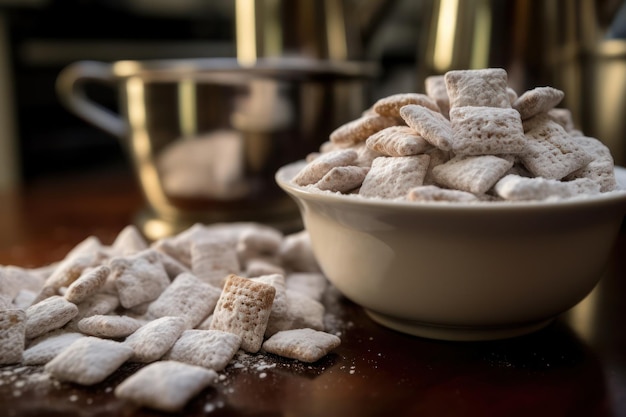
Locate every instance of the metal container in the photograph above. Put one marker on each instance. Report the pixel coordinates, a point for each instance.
(206, 136)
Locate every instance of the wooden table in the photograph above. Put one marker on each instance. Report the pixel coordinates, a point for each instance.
(574, 367)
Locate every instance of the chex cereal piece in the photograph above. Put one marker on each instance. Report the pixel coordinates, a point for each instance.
(244, 308)
(486, 131)
(88, 360)
(138, 278)
(129, 241)
(563, 117)
(211, 349)
(213, 260)
(315, 170)
(537, 100)
(259, 240)
(601, 169)
(179, 246)
(280, 307)
(152, 340)
(44, 348)
(12, 335)
(296, 252)
(311, 284)
(481, 87)
(434, 193)
(550, 152)
(473, 174)
(52, 313)
(516, 188)
(99, 303)
(187, 297)
(268, 265)
(358, 130)
(435, 86)
(397, 141)
(430, 125)
(14, 278)
(306, 345)
(173, 267)
(109, 326)
(304, 311)
(87, 284)
(390, 106)
(342, 179)
(166, 385)
(393, 177)
(67, 272)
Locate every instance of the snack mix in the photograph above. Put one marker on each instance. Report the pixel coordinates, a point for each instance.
(470, 138)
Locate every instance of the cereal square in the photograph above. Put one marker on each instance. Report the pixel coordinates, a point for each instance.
(481, 87)
(342, 179)
(397, 141)
(87, 284)
(108, 326)
(244, 308)
(186, 297)
(315, 170)
(88, 360)
(360, 129)
(139, 278)
(486, 131)
(212, 260)
(50, 314)
(473, 174)
(550, 152)
(306, 345)
(538, 100)
(393, 177)
(211, 349)
(165, 386)
(151, 341)
(44, 348)
(12, 335)
(390, 106)
(432, 126)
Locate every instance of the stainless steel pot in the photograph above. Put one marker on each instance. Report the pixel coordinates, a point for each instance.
(205, 136)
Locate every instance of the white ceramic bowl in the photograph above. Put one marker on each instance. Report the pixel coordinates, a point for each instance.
(461, 271)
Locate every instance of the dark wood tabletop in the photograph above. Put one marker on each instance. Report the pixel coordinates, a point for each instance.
(574, 367)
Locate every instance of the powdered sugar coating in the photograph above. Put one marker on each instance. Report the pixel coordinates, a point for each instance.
(481, 87)
(392, 177)
(486, 131)
(306, 345)
(151, 341)
(12, 335)
(88, 360)
(211, 349)
(244, 309)
(166, 385)
(473, 174)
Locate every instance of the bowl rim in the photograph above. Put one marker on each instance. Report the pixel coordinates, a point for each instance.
(284, 175)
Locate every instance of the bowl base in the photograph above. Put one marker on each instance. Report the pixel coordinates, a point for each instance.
(454, 333)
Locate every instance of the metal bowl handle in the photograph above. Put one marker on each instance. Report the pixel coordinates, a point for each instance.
(71, 92)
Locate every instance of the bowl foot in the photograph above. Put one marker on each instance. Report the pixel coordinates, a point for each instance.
(454, 333)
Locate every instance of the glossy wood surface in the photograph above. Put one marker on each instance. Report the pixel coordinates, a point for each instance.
(574, 367)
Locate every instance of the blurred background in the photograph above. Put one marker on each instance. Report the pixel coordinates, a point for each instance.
(575, 45)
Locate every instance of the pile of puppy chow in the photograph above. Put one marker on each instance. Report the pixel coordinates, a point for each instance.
(469, 138)
(185, 306)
